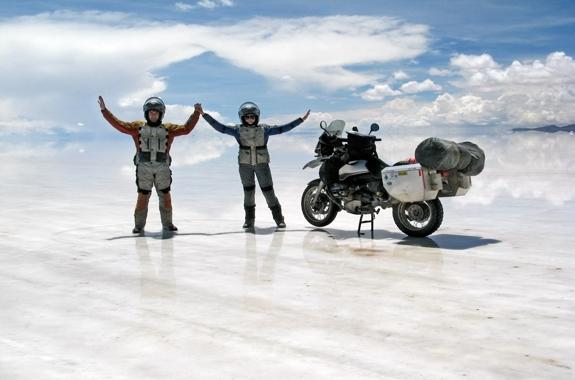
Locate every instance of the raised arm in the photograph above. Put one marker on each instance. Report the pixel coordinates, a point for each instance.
(232, 131)
(122, 126)
(279, 129)
(179, 130)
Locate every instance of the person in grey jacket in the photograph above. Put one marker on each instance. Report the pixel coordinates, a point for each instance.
(254, 158)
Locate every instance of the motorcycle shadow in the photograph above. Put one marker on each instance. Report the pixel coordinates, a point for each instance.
(445, 241)
(458, 242)
(348, 234)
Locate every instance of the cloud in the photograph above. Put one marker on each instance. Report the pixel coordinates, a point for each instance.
(434, 71)
(400, 75)
(53, 67)
(414, 87)
(482, 73)
(203, 143)
(512, 162)
(309, 50)
(379, 92)
(211, 4)
(529, 92)
(473, 63)
(55, 64)
(206, 4)
(184, 7)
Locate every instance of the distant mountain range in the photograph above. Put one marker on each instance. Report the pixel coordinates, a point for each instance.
(548, 129)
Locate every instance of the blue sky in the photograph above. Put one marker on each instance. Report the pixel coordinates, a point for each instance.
(417, 64)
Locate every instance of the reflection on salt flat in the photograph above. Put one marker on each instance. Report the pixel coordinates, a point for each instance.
(261, 261)
(217, 302)
(157, 280)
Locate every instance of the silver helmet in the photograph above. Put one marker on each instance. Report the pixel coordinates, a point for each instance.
(154, 103)
(249, 108)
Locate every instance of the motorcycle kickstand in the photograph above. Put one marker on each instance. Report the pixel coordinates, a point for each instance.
(361, 221)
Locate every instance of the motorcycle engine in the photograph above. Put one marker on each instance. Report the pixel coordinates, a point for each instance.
(361, 198)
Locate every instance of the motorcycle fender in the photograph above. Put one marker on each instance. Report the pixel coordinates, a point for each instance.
(314, 163)
(314, 182)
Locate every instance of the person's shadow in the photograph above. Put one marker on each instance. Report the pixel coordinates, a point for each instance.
(163, 235)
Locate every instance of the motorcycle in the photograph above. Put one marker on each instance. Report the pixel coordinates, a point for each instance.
(412, 191)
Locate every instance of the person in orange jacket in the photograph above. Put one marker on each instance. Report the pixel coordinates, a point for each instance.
(153, 140)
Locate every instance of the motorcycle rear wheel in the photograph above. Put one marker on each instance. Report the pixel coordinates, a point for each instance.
(418, 219)
(324, 211)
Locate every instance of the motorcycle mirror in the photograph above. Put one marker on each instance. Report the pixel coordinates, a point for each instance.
(323, 125)
(354, 129)
(374, 127)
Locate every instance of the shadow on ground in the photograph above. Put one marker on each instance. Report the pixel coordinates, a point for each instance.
(445, 241)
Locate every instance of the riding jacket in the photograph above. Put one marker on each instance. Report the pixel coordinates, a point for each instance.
(252, 139)
(152, 143)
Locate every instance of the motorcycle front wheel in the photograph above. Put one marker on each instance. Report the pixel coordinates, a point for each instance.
(418, 219)
(323, 212)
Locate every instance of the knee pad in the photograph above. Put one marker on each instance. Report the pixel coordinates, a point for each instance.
(166, 190)
(249, 188)
(144, 192)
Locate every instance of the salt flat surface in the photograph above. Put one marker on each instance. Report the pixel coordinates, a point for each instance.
(490, 295)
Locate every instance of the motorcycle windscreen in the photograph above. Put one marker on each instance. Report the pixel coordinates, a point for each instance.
(336, 127)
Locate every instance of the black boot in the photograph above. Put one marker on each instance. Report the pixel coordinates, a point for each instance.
(278, 217)
(250, 216)
(170, 228)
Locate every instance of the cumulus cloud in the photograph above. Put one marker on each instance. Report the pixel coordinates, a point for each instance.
(400, 75)
(413, 87)
(525, 93)
(529, 92)
(379, 92)
(382, 91)
(474, 63)
(484, 74)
